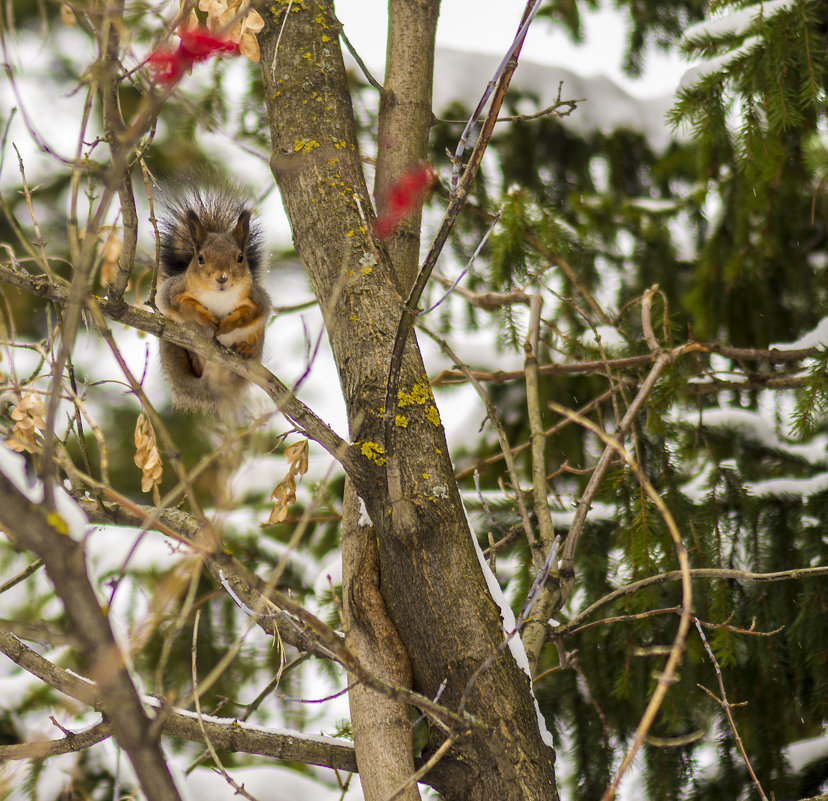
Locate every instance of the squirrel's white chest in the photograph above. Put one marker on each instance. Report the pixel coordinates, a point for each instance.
(221, 302)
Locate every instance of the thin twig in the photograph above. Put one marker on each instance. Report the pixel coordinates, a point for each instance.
(149, 409)
(662, 359)
(726, 574)
(549, 111)
(726, 706)
(667, 677)
(468, 267)
(505, 447)
(503, 71)
(71, 742)
(585, 409)
(360, 63)
(27, 193)
(239, 789)
(771, 356)
(425, 768)
(22, 576)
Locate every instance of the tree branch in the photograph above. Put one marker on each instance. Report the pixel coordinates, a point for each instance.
(158, 325)
(534, 634)
(404, 119)
(226, 734)
(46, 534)
(73, 741)
(248, 588)
(667, 676)
(598, 474)
(383, 734)
(317, 637)
(565, 629)
(755, 381)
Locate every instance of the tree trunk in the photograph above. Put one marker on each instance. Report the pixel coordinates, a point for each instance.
(430, 577)
(383, 736)
(405, 118)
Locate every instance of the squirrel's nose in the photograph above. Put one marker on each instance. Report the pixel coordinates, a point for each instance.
(222, 279)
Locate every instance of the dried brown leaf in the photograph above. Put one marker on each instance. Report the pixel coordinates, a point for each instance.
(147, 456)
(284, 493)
(67, 15)
(30, 418)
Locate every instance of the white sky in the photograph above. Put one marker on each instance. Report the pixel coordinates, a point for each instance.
(488, 26)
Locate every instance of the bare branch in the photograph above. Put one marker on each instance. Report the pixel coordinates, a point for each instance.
(585, 409)
(430, 763)
(46, 534)
(668, 676)
(553, 110)
(795, 574)
(752, 381)
(726, 706)
(39, 749)
(308, 632)
(226, 734)
(404, 120)
(600, 470)
(160, 326)
(534, 635)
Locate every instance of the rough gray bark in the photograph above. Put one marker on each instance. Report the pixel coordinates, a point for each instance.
(383, 736)
(405, 118)
(430, 578)
(382, 730)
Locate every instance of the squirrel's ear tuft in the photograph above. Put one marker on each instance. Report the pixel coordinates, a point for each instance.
(241, 233)
(196, 230)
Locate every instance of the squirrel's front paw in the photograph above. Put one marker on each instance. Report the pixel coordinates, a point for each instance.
(210, 322)
(222, 326)
(245, 348)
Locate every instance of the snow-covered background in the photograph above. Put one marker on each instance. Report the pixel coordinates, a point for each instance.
(470, 46)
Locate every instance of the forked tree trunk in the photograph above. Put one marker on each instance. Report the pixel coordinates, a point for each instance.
(430, 578)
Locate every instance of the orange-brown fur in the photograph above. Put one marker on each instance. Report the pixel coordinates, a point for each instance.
(208, 282)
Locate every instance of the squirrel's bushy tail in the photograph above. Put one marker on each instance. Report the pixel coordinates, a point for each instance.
(210, 278)
(217, 203)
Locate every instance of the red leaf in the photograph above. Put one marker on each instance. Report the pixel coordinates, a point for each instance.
(199, 45)
(404, 197)
(196, 45)
(165, 64)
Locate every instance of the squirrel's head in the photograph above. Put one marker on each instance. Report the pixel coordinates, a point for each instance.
(220, 259)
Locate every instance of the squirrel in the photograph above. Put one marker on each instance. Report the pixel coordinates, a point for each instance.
(210, 278)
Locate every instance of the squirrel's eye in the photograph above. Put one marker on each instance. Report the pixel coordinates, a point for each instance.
(200, 259)
(240, 257)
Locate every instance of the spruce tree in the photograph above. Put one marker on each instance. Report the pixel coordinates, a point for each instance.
(650, 406)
